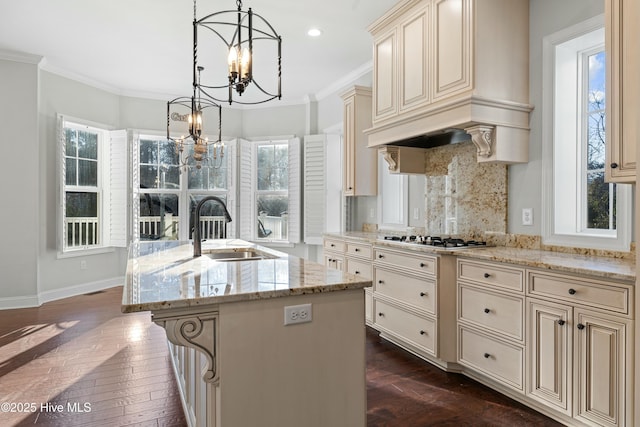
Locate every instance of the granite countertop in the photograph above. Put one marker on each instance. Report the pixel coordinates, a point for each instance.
(595, 266)
(164, 275)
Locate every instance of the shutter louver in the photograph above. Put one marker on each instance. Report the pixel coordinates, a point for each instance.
(294, 190)
(314, 188)
(117, 196)
(246, 191)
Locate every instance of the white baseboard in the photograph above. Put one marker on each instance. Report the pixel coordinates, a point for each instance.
(10, 303)
(47, 296)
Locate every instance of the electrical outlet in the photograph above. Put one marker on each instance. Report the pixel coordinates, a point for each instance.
(527, 216)
(297, 314)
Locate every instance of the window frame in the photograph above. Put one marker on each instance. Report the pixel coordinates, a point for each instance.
(553, 232)
(103, 159)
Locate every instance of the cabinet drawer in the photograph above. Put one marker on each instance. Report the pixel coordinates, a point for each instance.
(416, 330)
(334, 261)
(494, 358)
(501, 314)
(423, 264)
(359, 268)
(491, 274)
(580, 291)
(420, 293)
(361, 250)
(334, 245)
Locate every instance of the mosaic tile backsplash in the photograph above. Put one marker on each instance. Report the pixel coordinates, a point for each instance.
(463, 197)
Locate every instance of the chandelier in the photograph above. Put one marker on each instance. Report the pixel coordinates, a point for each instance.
(190, 110)
(238, 33)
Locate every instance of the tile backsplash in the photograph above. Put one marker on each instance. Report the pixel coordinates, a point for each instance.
(463, 197)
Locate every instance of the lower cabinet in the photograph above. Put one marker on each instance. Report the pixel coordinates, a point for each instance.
(569, 349)
(579, 362)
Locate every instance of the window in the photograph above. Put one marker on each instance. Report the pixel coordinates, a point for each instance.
(580, 208)
(93, 186)
(270, 190)
(168, 193)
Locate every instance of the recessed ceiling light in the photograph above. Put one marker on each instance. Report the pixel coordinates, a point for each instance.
(314, 32)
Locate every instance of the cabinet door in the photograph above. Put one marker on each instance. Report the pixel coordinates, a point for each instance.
(550, 364)
(385, 79)
(414, 59)
(452, 29)
(623, 89)
(349, 180)
(334, 261)
(600, 372)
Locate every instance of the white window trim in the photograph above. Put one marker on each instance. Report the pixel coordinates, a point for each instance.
(401, 191)
(247, 198)
(587, 238)
(184, 192)
(108, 241)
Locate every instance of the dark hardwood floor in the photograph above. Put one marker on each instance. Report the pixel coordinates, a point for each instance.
(83, 351)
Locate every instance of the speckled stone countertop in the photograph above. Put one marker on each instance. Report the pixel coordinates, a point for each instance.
(164, 275)
(595, 266)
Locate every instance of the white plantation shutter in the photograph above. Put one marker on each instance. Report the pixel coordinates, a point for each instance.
(230, 152)
(314, 188)
(117, 196)
(61, 181)
(246, 213)
(294, 190)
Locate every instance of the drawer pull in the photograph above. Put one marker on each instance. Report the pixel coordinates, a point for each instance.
(572, 291)
(487, 275)
(329, 259)
(357, 272)
(486, 310)
(422, 264)
(357, 250)
(561, 322)
(423, 333)
(487, 355)
(381, 314)
(614, 165)
(380, 256)
(423, 294)
(580, 326)
(380, 282)
(333, 246)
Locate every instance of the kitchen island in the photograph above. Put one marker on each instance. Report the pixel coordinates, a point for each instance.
(236, 361)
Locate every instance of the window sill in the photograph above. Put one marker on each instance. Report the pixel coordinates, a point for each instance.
(85, 252)
(588, 242)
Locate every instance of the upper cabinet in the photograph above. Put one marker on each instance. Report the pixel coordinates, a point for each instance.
(441, 65)
(623, 104)
(360, 176)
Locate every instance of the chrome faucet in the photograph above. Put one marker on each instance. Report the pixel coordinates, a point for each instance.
(197, 241)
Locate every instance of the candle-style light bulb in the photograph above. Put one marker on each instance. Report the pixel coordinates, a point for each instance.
(245, 59)
(232, 60)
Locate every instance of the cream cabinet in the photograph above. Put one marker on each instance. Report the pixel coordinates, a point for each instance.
(412, 308)
(623, 89)
(360, 177)
(491, 321)
(442, 64)
(580, 347)
(353, 257)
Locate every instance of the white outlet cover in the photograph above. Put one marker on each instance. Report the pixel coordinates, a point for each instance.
(297, 314)
(527, 216)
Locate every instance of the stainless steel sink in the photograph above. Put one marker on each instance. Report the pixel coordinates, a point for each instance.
(237, 254)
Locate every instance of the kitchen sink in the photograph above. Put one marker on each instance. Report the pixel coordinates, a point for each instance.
(237, 254)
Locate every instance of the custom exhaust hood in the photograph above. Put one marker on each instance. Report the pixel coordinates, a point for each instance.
(446, 72)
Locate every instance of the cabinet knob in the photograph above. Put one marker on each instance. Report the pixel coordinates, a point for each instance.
(580, 326)
(487, 275)
(423, 333)
(381, 314)
(572, 291)
(350, 188)
(329, 259)
(380, 256)
(357, 272)
(357, 250)
(486, 310)
(487, 355)
(561, 322)
(380, 282)
(422, 264)
(423, 294)
(614, 165)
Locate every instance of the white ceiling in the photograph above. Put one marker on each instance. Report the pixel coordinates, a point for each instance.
(144, 47)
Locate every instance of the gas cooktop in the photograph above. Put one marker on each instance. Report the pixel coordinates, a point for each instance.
(440, 242)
